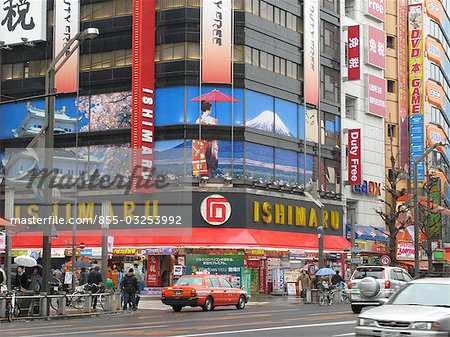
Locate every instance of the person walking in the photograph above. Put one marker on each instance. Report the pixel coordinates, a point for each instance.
(95, 278)
(84, 276)
(129, 287)
(336, 279)
(305, 282)
(36, 281)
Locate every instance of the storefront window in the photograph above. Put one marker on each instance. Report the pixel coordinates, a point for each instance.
(259, 162)
(285, 166)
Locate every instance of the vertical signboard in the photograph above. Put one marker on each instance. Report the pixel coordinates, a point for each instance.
(376, 95)
(376, 47)
(67, 25)
(416, 85)
(311, 20)
(23, 20)
(354, 157)
(436, 11)
(402, 38)
(152, 269)
(216, 41)
(377, 9)
(354, 54)
(143, 87)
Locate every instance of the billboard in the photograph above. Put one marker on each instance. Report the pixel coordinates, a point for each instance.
(354, 53)
(377, 9)
(311, 24)
(416, 85)
(143, 86)
(436, 135)
(67, 25)
(217, 41)
(376, 95)
(402, 43)
(436, 95)
(354, 157)
(23, 19)
(376, 47)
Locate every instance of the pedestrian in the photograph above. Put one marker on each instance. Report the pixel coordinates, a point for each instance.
(84, 276)
(95, 278)
(336, 279)
(21, 281)
(305, 282)
(129, 287)
(139, 277)
(115, 275)
(3, 281)
(36, 281)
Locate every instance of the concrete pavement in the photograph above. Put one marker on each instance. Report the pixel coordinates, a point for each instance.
(264, 316)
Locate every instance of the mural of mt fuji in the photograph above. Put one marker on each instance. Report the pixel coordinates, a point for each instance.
(269, 121)
(266, 113)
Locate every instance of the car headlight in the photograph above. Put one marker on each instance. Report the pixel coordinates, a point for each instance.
(366, 322)
(425, 326)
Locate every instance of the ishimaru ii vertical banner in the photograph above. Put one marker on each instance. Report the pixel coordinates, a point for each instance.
(143, 96)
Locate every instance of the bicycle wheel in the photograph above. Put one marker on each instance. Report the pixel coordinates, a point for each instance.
(321, 298)
(77, 300)
(102, 301)
(16, 309)
(9, 312)
(330, 297)
(54, 303)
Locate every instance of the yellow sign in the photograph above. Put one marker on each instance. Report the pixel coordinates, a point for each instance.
(416, 85)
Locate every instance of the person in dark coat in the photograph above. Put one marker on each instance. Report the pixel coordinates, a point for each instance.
(129, 286)
(21, 281)
(84, 276)
(95, 277)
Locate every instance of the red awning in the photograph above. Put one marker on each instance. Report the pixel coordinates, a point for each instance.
(197, 237)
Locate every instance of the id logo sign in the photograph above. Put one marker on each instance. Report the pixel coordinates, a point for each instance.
(215, 209)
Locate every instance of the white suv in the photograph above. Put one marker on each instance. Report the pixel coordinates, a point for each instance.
(370, 285)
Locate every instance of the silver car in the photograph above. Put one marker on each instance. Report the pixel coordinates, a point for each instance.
(420, 308)
(370, 285)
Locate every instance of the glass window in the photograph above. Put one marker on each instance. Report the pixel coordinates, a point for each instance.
(122, 7)
(283, 18)
(86, 12)
(263, 10)
(37, 68)
(248, 55)
(224, 283)
(239, 5)
(376, 273)
(255, 57)
(263, 59)
(238, 53)
(189, 281)
(259, 162)
(276, 64)
(214, 282)
(166, 52)
(102, 10)
(255, 7)
(291, 21)
(270, 62)
(193, 50)
(283, 67)
(277, 12)
(285, 166)
(178, 51)
(18, 70)
(248, 6)
(270, 12)
(423, 294)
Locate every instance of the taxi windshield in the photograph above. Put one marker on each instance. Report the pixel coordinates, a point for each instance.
(190, 281)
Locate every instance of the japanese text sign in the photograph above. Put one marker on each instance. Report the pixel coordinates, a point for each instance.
(23, 20)
(377, 9)
(354, 55)
(376, 47)
(377, 95)
(354, 157)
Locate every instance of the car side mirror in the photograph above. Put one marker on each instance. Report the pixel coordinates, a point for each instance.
(383, 301)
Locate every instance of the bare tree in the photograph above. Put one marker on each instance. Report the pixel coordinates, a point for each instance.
(395, 213)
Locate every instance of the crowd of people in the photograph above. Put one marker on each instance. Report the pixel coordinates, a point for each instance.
(130, 283)
(325, 283)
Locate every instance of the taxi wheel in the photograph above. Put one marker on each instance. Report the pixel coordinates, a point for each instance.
(241, 303)
(208, 304)
(177, 308)
(356, 309)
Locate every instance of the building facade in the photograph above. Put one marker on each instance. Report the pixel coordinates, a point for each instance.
(256, 142)
(364, 62)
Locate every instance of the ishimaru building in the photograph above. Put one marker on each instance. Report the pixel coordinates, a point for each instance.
(237, 107)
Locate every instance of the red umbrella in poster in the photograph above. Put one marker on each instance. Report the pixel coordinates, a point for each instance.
(214, 96)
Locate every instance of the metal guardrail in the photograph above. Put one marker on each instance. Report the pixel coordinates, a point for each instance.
(42, 302)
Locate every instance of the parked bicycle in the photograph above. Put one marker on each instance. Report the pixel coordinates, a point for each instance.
(12, 307)
(344, 296)
(77, 298)
(326, 294)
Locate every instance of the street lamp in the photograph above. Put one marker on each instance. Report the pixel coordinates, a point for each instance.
(416, 206)
(311, 192)
(55, 65)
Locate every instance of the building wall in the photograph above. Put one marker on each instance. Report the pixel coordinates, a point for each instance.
(355, 94)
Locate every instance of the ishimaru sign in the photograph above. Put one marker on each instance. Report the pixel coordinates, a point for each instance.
(143, 87)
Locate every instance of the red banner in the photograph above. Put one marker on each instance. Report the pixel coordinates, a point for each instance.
(354, 54)
(143, 87)
(376, 47)
(354, 156)
(153, 271)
